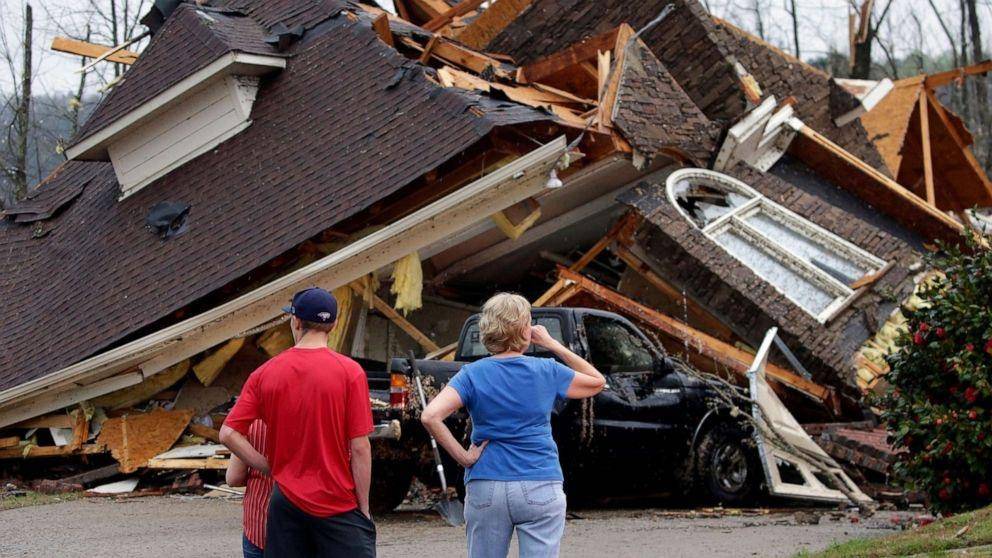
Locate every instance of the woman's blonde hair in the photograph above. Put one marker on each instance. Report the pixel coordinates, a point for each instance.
(504, 323)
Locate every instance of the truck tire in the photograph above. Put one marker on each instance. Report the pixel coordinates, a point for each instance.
(727, 466)
(389, 489)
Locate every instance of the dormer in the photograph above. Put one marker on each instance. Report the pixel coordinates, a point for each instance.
(192, 89)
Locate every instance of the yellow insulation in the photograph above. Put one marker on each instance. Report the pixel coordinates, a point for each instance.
(336, 339)
(408, 284)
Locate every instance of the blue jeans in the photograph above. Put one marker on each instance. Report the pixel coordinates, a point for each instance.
(494, 509)
(249, 549)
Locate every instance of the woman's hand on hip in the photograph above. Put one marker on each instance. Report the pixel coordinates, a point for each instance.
(473, 453)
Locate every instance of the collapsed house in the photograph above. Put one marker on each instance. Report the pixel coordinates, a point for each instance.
(682, 173)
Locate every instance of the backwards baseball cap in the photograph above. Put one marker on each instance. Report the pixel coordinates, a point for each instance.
(314, 305)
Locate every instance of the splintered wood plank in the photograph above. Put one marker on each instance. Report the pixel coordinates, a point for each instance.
(939, 79)
(624, 35)
(927, 155)
(135, 438)
(208, 463)
(460, 9)
(9, 442)
(50, 451)
(381, 27)
(623, 226)
(205, 432)
(91, 50)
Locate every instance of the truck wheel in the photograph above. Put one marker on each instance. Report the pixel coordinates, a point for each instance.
(388, 490)
(727, 466)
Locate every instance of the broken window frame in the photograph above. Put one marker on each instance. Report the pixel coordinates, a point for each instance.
(735, 220)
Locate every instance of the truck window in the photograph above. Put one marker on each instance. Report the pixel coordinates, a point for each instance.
(614, 347)
(473, 347)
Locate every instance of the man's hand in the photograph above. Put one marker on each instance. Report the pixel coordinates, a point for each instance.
(539, 336)
(473, 453)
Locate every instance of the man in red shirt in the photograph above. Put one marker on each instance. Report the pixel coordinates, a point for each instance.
(315, 406)
(258, 490)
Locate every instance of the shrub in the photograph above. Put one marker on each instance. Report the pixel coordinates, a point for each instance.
(938, 406)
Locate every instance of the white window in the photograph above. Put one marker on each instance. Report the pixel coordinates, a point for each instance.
(809, 265)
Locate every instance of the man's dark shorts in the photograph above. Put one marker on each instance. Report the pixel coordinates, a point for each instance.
(292, 532)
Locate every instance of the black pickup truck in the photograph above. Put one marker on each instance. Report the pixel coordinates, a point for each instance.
(655, 429)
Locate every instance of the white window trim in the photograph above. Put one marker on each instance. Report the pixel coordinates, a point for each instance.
(735, 219)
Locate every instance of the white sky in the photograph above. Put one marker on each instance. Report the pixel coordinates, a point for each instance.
(823, 25)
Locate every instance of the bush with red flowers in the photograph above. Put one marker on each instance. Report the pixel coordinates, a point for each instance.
(939, 403)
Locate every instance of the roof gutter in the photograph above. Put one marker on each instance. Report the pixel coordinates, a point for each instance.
(524, 177)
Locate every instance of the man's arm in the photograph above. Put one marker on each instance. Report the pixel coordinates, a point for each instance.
(361, 470)
(237, 472)
(241, 447)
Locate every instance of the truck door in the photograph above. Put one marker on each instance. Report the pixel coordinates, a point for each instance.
(640, 413)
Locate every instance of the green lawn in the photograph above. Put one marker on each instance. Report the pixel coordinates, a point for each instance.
(937, 539)
(35, 499)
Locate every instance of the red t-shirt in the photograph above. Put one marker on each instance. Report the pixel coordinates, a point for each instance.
(313, 402)
(258, 490)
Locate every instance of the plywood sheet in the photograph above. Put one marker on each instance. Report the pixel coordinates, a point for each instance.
(133, 439)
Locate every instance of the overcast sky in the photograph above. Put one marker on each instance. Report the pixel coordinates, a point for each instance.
(910, 25)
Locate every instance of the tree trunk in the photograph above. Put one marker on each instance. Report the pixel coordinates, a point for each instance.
(793, 12)
(77, 101)
(113, 32)
(23, 116)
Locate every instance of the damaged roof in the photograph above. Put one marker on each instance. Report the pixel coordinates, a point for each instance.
(340, 128)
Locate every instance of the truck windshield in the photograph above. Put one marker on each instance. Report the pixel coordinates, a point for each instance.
(614, 347)
(473, 347)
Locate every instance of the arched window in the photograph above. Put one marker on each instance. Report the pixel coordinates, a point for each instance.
(811, 266)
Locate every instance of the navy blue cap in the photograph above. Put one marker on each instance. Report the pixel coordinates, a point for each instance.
(314, 305)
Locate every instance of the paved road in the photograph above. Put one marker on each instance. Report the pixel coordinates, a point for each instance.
(182, 527)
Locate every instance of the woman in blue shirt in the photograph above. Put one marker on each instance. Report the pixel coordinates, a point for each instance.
(512, 475)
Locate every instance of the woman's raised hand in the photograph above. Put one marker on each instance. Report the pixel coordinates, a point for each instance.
(539, 336)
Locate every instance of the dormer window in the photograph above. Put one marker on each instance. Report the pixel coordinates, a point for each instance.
(180, 123)
(811, 266)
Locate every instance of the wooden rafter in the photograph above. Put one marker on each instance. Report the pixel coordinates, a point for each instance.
(382, 306)
(381, 27)
(491, 22)
(91, 50)
(585, 51)
(952, 130)
(927, 155)
(728, 356)
(940, 79)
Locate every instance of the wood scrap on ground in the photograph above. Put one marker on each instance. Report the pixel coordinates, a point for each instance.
(133, 439)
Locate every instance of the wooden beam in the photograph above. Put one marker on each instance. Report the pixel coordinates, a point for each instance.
(725, 354)
(425, 56)
(872, 278)
(491, 22)
(934, 81)
(458, 10)
(455, 53)
(9, 441)
(623, 227)
(695, 312)
(58, 420)
(585, 51)
(945, 119)
(91, 50)
(432, 8)
(927, 155)
(48, 402)
(381, 27)
(205, 463)
(51, 451)
(382, 306)
(861, 179)
(402, 10)
(205, 432)
(624, 34)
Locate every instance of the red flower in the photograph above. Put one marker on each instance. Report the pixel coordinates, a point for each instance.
(953, 390)
(971, 394)
(939, 421)
(947, 480)
(983, 489)
(947, 448)
(981, 436)
(941, 332)
(988, 346)
(973, 414)
(944, 494)
(924, 327)
(969, 347)
(917, 338)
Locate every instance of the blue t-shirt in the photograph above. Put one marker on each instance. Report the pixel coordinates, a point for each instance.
(510, 401)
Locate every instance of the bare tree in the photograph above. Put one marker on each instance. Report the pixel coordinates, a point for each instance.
(793, 11)
(15, 154)
(863, 36)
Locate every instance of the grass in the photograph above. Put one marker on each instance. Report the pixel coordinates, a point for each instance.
(35, 499)
(937, 539)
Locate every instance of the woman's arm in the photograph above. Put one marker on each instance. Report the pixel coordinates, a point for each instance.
(447, 402)
(587, 381)
(237, 472)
